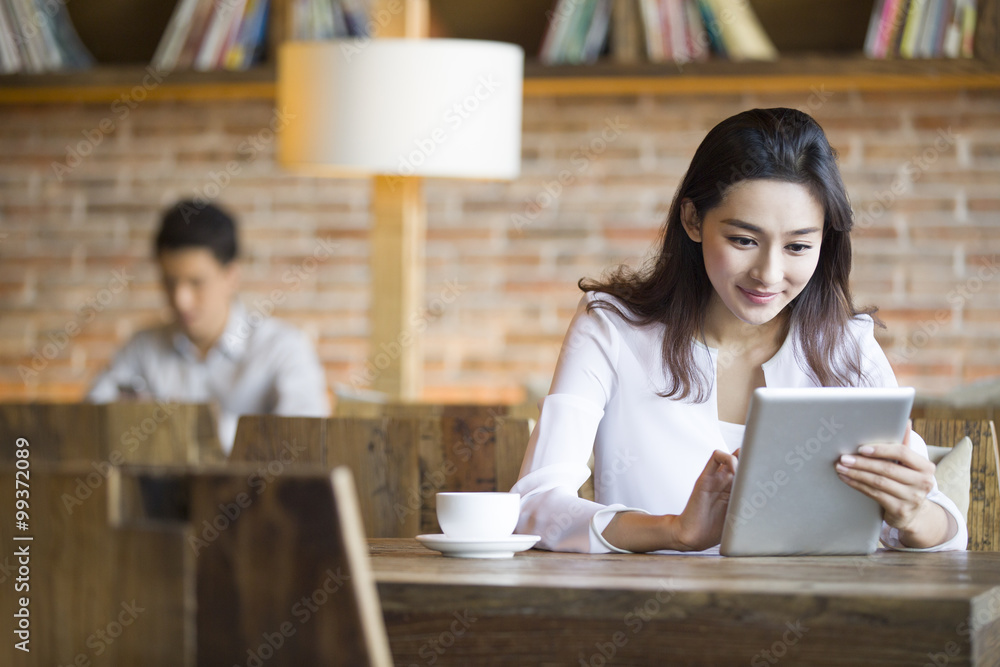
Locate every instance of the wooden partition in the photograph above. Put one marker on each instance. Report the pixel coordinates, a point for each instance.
(400, 463)
(984, 492)
(349, 406)
(941, 410)
(182, 566)
(112, 434)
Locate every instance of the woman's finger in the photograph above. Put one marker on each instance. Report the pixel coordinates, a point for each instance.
(896, 453)
(897, 472)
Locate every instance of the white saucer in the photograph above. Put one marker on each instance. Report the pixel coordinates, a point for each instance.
(503, 547)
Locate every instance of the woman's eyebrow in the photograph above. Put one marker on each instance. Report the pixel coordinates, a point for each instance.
(732, 222)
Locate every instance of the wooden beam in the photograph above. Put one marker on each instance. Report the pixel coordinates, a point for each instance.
(721, 85)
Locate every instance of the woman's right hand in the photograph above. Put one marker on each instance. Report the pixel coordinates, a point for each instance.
(699, 526)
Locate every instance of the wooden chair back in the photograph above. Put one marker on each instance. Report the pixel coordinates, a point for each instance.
(98, 594)
(399, 463)
(984, 493)
(114, 433)
(287, 580)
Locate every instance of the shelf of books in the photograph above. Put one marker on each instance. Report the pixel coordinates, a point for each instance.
(224, 50)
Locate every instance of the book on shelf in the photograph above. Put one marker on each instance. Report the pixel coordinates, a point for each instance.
(712, 33)
(650, 15)
(236, 34)
(921, 29)
(697, 36)
(597, 31)
(627, 44)
(658, 30)
(674, 30)
(38, 36)
(224, 16)
(741, 32)
(249, 45)
(911, 28)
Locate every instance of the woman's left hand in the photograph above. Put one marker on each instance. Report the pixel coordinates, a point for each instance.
(896, 477)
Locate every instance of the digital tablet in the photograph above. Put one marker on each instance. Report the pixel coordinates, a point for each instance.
(786, 497)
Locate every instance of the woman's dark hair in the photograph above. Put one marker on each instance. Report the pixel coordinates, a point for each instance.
(674, 289)
(194, 224)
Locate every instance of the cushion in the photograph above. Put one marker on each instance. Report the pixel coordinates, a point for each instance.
(954, 472)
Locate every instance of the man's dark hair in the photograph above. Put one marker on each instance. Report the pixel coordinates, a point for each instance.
(191, 224)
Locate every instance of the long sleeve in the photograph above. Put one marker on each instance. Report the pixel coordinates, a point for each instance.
(959, 542)
(555, 464)
(880, 374)
(125, 370)
(299, 380)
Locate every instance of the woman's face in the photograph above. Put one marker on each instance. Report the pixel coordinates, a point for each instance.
(760, 244)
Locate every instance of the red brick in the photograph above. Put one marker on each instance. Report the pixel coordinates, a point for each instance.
(506, 328)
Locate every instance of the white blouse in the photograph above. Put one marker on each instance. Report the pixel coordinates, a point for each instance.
(648, 450)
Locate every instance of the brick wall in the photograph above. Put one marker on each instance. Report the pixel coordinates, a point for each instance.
(81, 186)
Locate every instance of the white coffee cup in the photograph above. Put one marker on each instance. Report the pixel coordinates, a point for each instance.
(478, 515)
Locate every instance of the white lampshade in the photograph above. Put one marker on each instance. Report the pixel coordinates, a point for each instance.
(408, 107)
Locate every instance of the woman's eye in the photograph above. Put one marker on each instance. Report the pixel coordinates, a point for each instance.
(741, 240)
(798, 247)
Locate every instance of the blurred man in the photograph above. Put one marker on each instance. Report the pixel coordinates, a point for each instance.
(212, 352)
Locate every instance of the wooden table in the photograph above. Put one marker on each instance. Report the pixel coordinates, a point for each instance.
(543, 608)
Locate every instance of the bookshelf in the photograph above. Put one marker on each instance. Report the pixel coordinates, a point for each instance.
(820, 42)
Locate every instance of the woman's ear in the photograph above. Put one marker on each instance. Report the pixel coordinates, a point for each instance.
(689, 218)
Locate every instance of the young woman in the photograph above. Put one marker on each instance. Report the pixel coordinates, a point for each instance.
(749, 289)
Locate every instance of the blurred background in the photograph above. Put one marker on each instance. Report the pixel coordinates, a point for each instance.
(90, 159)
